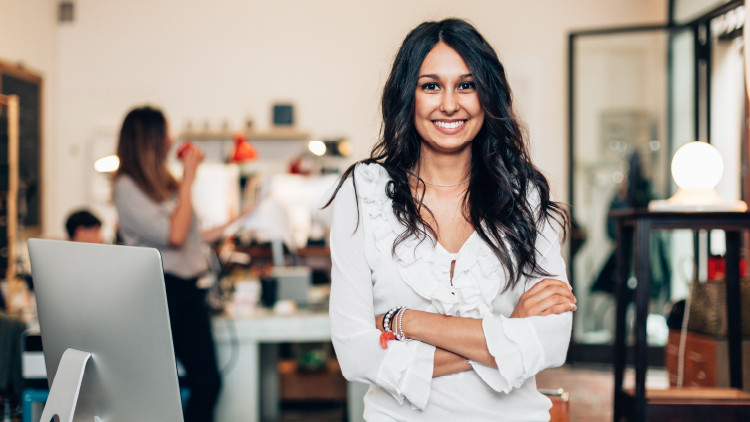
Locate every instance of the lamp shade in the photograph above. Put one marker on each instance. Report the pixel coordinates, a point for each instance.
(243, 149)
(697, 165)
(108, 164)
(697, 168)
(317, 148)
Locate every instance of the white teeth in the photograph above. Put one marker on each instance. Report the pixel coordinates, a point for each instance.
(449, 125)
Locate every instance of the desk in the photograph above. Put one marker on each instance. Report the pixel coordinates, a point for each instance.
(637, 225)
(317, 257)
(249, 345)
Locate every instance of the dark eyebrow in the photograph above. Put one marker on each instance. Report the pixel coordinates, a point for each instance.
(433, 76)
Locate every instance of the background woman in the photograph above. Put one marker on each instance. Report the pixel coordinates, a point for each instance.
(156, 210)
(449, 290)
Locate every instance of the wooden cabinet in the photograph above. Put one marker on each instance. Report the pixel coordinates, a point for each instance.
(705, 360)
(326, 385)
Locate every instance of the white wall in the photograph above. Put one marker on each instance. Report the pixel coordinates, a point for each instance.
(28, 38)
(228, 60)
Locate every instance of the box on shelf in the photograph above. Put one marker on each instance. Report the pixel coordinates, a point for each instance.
(708, 308)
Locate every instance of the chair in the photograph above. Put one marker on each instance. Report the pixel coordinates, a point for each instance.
(10, 360)
(560, 411)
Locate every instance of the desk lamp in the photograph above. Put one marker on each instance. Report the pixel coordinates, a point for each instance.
(697, 168)
(243, 149)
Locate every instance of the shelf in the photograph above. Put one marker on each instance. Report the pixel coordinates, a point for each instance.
(693, 404)
(282, 134)
(279, 134)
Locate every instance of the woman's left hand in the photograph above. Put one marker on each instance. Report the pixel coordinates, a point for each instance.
(547, 297)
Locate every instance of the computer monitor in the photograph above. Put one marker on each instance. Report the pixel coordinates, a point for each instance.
(108, 301)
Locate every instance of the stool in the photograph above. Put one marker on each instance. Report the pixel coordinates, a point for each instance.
(560, 411)
(30, 396)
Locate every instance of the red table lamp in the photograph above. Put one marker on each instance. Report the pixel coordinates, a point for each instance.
(243, 149)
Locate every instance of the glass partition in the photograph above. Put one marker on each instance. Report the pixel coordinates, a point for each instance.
(620, 157)
(636, 96)
(687, 10)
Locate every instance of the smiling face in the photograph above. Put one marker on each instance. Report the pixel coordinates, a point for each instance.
(447, 111)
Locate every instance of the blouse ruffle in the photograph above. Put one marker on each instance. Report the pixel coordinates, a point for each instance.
(423, 264)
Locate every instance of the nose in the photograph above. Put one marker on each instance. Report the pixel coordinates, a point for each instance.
(449, 102)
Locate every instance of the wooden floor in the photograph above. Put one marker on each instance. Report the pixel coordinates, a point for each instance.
(590, 387)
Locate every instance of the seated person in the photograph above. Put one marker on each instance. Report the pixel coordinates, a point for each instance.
(83, 226)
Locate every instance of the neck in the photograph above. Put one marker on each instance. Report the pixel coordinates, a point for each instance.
(439, 185)
(444, 170)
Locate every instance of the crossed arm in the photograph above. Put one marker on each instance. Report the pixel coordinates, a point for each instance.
(457, 339)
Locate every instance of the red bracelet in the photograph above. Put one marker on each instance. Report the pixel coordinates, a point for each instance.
(384, 337)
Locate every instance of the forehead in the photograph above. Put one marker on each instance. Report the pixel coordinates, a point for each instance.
(443, 60)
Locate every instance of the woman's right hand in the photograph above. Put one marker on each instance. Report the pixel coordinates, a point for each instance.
(546, 297)
(191, 157)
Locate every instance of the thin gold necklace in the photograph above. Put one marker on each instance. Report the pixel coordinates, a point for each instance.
(439, 186)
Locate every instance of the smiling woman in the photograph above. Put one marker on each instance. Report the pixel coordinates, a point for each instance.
(444, 242)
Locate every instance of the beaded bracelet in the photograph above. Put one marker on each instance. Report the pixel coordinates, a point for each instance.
(387, 333)
(400, 336)
(389, 317)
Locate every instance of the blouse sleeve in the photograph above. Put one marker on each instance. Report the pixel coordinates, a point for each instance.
(404, 369)
(522, 347)
(140, 217)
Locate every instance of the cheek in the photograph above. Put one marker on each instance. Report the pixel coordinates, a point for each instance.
(475, 107)
(420, 106)
(480, 117)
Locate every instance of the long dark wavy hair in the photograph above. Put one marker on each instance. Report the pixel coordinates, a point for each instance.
(502, 174)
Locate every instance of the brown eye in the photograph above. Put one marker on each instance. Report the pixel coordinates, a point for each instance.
(466, 85)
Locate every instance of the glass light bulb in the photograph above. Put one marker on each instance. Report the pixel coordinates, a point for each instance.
(107, 164)
(317, 147)
(697, 165)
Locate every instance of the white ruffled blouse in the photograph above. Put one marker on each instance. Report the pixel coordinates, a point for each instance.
(368, 280)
